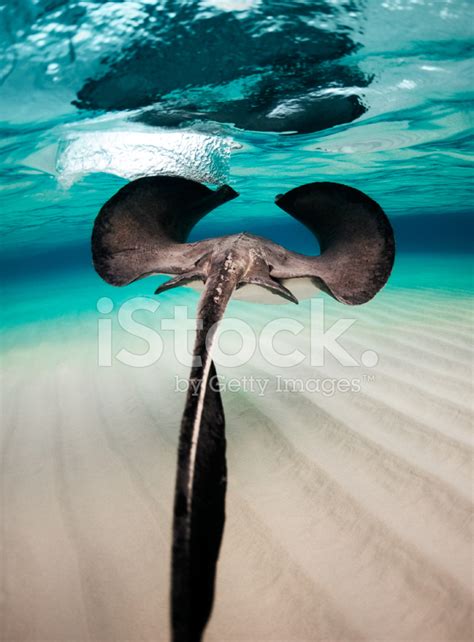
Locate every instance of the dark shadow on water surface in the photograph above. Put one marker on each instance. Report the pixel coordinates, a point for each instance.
(276, 68)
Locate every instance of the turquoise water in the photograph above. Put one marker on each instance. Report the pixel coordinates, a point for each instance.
(372, 94)
(349, 504)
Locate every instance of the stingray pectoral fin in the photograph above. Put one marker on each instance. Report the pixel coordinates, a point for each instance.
(199, 509)
(143, 228)
(355, 238)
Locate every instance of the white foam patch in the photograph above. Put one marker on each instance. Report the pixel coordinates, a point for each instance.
(231, 5)
(134, 154)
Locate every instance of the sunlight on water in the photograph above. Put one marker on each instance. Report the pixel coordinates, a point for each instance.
(133, 154)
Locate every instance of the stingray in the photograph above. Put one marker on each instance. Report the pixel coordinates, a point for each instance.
(142, 231)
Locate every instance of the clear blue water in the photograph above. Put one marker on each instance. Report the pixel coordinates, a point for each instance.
(377, 95)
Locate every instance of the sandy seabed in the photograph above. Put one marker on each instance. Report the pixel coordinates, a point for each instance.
(349, 516)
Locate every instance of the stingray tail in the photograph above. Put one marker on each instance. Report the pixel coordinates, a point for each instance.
(199, 509)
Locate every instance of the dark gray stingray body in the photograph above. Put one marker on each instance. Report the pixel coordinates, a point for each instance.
(143, 230)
